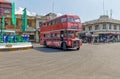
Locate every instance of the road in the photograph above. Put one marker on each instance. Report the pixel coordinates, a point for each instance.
(90, 62)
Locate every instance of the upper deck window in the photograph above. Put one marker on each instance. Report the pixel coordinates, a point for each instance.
(63, 20)
(104, 26)
(58, 21)
(70, 19)
(44, 24)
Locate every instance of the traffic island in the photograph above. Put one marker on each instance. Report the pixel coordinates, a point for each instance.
(15, 46)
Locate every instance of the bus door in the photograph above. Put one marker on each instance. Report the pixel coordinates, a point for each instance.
(63, 35)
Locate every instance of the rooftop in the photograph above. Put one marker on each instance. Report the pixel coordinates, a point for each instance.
(4, 1)
(101, 19)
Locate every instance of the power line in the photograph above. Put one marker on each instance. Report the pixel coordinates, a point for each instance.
(103, 8)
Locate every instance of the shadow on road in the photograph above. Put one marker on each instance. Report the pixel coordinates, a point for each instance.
(51, 50)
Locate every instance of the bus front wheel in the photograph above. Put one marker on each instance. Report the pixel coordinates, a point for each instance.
(78, 48)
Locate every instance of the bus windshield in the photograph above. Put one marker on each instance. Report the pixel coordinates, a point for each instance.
(73, 19)
(70, 19)
(70, 34)
(77, 20)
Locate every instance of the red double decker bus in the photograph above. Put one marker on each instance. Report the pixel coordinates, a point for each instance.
(61, 32)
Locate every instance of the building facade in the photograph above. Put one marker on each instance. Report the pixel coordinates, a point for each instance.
(34, 22)
(5, 8)
(39, 20)
(31, 28)
(104, 29)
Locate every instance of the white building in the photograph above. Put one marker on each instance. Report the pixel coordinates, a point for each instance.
(104, 27)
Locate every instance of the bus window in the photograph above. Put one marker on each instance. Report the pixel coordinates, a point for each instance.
(63, 33)
(77, 34)
(70, 19)
(48, 23)
(63, 20)
(52, 35)
(53, 22)
(48, 35)
(58, 21)
(55, 35)
(58, 35)
(45, 24)
(44, 35)
(40, 24)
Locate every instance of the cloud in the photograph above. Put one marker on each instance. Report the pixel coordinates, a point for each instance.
(20, 11)
(59, 14)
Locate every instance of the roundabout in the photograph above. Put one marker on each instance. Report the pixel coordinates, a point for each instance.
(22, 45)
(11, 39)
(14, 42)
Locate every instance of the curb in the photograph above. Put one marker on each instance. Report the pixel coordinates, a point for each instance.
(15, 49)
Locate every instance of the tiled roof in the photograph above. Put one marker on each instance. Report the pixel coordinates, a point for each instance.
(102, 19)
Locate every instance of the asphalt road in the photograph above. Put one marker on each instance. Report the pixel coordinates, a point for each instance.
(90, 62)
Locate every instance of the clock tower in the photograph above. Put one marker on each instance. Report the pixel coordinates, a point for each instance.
(5, 8)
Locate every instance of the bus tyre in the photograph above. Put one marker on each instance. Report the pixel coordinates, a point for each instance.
(78, 48)
(64, 47)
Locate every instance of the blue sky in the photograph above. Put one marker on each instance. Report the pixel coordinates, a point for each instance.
(85, 9)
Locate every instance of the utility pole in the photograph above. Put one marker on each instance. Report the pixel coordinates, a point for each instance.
(111, 13)
(53, 6)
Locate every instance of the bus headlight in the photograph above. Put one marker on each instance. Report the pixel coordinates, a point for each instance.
(69, 42)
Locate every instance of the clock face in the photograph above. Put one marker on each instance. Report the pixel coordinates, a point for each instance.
(6, 11)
